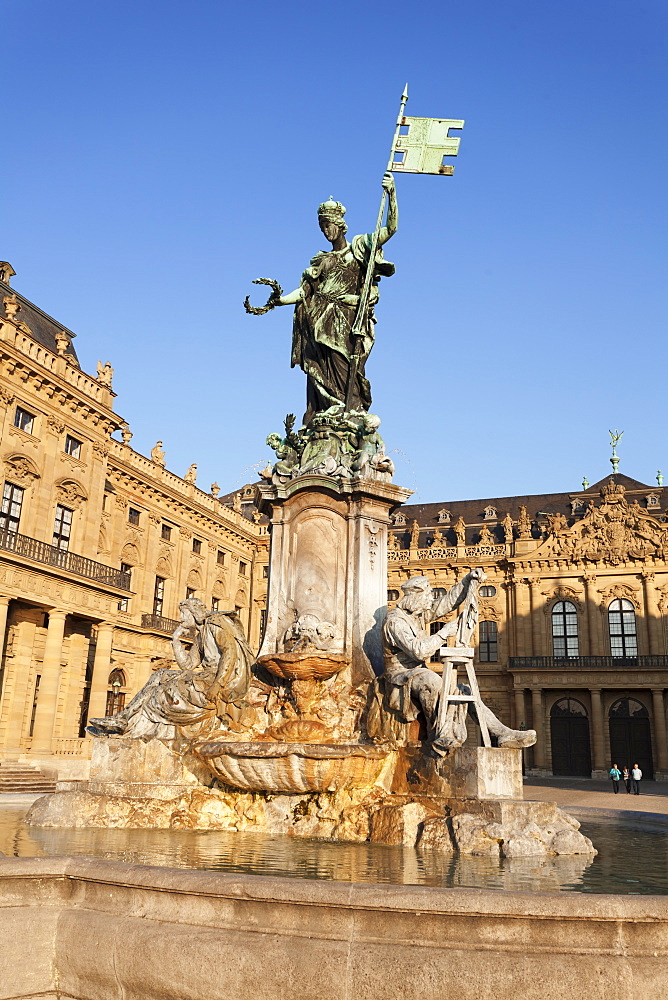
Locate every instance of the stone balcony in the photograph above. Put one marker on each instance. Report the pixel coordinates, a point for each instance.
(37, 551)
(605, 662)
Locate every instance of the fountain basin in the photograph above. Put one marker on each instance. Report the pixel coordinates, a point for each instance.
(293, 767)
(314, 665)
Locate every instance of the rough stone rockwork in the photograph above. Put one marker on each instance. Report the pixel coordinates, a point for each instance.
(147, 785)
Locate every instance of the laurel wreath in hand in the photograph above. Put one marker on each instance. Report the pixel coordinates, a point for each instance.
(272, 301)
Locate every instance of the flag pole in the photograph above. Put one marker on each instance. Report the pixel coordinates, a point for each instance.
(361, 314)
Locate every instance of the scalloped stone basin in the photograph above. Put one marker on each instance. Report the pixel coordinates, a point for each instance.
(293, 767)
(314, 665)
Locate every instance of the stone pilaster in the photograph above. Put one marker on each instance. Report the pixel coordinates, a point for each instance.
(539, 726)
(652, 615)
(50, 680)
(593, 645)
(520, 710)
(660, 732)
(597, 734)
(18, 686)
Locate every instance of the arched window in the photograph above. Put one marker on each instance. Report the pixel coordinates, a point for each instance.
(564, 629)
(439, 592)
(488, 648)
(115, 696)
(622, 626)
(487, 591)
(393, 595)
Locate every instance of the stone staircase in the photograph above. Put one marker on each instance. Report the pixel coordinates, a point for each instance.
(15, 777)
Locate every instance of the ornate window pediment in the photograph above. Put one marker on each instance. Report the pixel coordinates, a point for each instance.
(444, 516)
(70, 493)
(21, 470)
(399, 519)
(489, 513)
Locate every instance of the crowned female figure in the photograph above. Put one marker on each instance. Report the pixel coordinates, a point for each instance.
(326, 305)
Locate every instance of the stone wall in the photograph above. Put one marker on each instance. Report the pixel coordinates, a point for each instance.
(84, 929)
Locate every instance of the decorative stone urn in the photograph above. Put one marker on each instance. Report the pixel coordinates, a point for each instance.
(314, 665)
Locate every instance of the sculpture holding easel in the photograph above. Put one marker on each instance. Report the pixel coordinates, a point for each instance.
(415, 687)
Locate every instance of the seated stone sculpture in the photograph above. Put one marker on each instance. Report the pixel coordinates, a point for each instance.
(412, 685)
(207, 690)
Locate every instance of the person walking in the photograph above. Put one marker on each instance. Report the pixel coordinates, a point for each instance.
(615, 775)
(626, 774)
(636, 775)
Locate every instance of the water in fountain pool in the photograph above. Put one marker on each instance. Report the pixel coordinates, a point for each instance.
(630, 861)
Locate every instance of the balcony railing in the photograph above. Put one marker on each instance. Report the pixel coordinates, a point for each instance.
(70, 562)
(159, 623)
(585, 662)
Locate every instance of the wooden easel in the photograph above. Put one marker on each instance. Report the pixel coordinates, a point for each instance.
(455, 657)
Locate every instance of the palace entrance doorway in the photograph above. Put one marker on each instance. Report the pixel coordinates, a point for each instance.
(630, 736)
(569, 726)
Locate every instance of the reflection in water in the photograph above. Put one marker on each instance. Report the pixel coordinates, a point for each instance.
(629, 861)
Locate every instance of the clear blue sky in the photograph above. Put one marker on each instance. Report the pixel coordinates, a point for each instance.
(159, 156)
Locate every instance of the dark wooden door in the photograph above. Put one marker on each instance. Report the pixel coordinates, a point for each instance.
(571, 753)
(631, 743)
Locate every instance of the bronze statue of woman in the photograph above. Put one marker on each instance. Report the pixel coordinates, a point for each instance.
(326, 304)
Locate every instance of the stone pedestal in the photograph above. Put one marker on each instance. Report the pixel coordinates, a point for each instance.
(329, 559)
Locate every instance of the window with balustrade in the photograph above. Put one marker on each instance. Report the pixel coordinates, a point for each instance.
(622, 628)
(564, 629)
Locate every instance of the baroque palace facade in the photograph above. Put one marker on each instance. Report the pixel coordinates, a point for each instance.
(98, 544)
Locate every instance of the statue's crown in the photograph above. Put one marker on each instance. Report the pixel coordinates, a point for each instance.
(332, 210)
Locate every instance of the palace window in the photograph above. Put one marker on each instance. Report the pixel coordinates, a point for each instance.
(488, 648)
(72, 446)
(393, 595)
(133, 515)
(24, 420)
(487, 591)
(124, 603)
(242, 568)
(622, 626)
(166, 532)
(12, 498)
(158, 595)
(564, 629)
(115, 697)
(190, 592)
(197, 546)
(265, 572)
(62, 528)
(215, 604)
(220, 557)
(263, 622)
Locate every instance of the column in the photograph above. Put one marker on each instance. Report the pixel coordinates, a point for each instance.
(652, 616)
(598, 738)
(520, 711)
(101, 670)
(47, 698)
(17, 688)
(660, 730)
(539, 726)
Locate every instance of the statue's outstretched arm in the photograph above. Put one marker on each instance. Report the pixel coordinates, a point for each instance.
(292, 297)
(392, 221)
